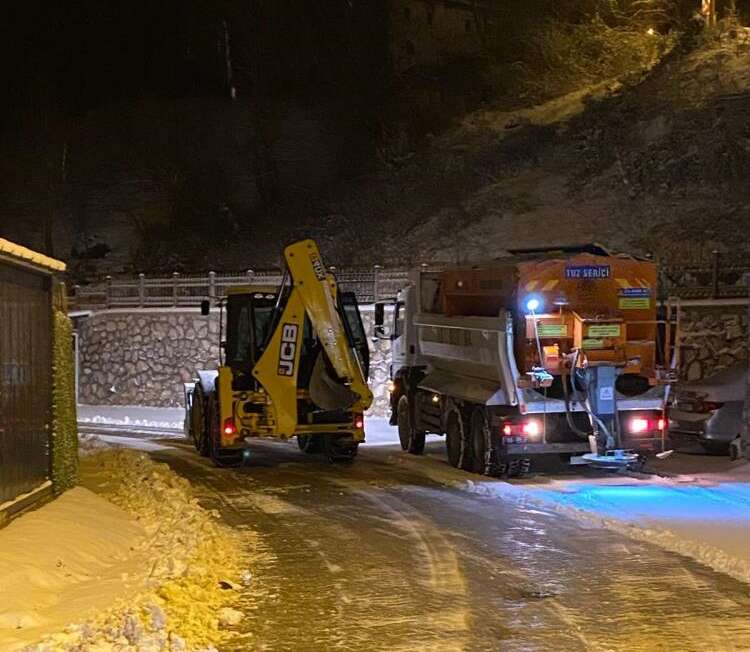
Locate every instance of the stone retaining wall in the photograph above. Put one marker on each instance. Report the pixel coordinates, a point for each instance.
(714, 338)
(142, 357)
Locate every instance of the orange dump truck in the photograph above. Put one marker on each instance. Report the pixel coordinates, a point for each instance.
(545, 352)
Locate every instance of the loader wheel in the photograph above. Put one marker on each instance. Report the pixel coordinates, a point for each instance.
(198, 422)
(456, 443)
(310, 444)
(339, 448)
(481, 443)
(221, 457)
(411, 440)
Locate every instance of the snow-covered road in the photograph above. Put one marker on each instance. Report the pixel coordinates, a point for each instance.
(709, 522)
(395, 552)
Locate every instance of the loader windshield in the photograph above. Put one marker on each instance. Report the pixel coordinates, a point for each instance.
(249, 319)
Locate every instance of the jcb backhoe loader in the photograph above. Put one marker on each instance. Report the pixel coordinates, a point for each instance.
(295, 363)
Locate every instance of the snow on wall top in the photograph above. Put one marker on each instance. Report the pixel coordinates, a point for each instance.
(29, 256)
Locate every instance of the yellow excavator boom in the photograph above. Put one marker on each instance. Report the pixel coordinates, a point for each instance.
(313, 293)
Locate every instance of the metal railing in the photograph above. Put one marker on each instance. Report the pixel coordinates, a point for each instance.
(180, 290)
(370, 284)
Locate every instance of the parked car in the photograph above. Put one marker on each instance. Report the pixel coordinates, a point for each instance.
(709, 412)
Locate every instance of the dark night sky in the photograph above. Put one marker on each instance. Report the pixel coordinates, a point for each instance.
(77, 55)
(100, 91)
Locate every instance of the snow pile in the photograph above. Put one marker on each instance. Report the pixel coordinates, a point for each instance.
(696, 517)
(90, 443)
(132, 416)
(59, 562)
(165, 568)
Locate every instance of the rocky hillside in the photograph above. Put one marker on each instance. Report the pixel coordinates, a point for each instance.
(656, 164)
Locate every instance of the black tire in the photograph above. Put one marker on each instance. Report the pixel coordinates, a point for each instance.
(310, 444)
(411, 440)
(481, 444)
(221, 457)
(715, 447)
(457, 444)
(339, 448)
(198, 428)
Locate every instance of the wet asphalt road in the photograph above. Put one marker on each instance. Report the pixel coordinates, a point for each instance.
(384, 554)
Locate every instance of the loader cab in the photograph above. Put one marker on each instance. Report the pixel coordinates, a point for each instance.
(249, 326)
(251, 317)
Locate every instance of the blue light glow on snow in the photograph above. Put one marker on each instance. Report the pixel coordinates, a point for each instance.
(722, 502)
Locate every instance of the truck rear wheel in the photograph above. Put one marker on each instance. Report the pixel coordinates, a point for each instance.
(411, 440)
(481, 443)
(198, 421)
(456, 442)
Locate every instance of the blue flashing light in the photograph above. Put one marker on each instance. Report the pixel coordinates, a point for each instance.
(533, 304)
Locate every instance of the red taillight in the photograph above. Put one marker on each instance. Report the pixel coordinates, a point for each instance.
(531, 429)
(229, 427)
(359, 422)
(639, 425)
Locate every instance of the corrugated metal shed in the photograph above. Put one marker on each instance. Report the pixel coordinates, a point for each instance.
(26, 283)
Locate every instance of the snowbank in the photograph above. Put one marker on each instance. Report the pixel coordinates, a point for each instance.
(132, 416)
(705, 518)
(58, 563)
(129, 562)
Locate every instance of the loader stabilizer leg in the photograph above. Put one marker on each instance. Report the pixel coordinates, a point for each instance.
(278, 367)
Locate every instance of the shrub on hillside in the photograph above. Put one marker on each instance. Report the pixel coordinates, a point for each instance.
(596, 41)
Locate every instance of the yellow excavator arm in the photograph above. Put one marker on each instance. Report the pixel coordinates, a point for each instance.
(313, 293)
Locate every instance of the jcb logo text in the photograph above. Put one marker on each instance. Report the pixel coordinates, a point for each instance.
(288, 349)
